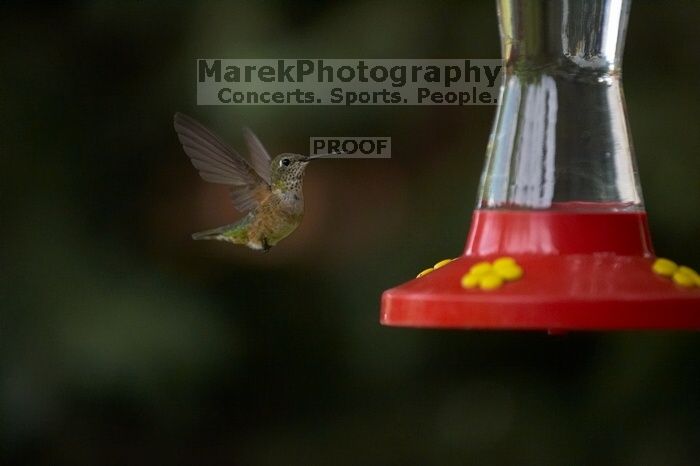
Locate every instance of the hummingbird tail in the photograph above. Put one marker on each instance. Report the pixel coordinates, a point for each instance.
(210, 234)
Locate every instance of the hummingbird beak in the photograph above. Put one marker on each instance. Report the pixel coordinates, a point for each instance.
(318, 156)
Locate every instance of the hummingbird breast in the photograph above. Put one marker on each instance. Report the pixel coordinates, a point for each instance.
(278, 216)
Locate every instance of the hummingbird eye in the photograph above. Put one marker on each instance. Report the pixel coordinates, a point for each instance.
(285, 162)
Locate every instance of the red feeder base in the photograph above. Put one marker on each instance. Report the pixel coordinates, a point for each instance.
(583, 271)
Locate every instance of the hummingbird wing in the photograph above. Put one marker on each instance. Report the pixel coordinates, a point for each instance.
(259, 157)
(217, 162)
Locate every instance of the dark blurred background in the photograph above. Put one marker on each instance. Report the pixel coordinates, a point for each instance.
(124, 342)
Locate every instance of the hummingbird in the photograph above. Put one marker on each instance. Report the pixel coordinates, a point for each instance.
(268, 190)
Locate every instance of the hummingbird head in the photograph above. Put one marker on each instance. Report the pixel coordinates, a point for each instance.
(288, 169)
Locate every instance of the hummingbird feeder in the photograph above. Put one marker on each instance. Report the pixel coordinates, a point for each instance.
(559, 240)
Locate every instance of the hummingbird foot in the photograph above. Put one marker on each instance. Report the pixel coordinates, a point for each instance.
(266, 246)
